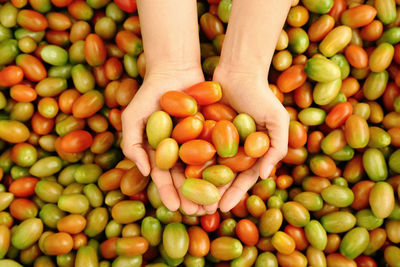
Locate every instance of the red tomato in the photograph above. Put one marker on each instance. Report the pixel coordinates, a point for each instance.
(11, 75)
(107, 248)
(95, 50)
(365, 261)
(247, 232)
(126, 5)
(23, 187)
(76, 141)
(210, 222)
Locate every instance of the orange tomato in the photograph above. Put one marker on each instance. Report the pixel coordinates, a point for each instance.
(350, 86)
(361, 192)
(205, 93)
(372, 31)
(291, 78)
(356, 56)
(218, 111)
(58, 244)
(238, 163)
(199, 242)
(298, 235)
(196, 152)
(72, 224)
(178, 104)
(11, 75)
(206, 132)
(256, 144)
(187, 129)
(23, 187)
(76, 141)
(247, 232)
(195, 171)
(297, 134)
(338, 115)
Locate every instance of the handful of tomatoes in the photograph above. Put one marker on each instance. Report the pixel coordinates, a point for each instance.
(197, 136)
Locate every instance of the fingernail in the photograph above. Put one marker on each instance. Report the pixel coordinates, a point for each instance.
(267, 172)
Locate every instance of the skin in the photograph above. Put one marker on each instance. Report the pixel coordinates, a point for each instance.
(173, 63)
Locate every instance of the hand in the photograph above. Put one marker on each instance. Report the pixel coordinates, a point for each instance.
(249, 93)
(134, 119)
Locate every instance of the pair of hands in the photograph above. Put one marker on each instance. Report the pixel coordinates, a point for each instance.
(245, 92)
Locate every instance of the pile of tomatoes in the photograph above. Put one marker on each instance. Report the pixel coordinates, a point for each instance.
(217, 130)
(68, 197)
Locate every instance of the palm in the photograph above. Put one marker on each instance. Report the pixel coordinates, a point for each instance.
(134, 118)
(251, 95)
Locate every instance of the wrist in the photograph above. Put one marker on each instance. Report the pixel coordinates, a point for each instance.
(239, 72)
(172, 66)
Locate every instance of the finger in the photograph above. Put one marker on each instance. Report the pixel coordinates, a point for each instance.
(243, 182)
(201, 211)
(178, 177)
(210, 209)
(132, 144)
(279, 135)
(164, 184)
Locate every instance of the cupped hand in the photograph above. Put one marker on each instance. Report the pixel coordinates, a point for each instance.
(249, 93)
(135, 147)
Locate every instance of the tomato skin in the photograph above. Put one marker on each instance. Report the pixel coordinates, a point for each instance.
(361, 192)
(23, 93)
(196, 152)
(372, 31)
(356, 56)
(292, 78)
(339, 114)
(127, 5)
(339, 6)
(303, 95)
(195, 171)
(206, 132)
(23, 187)
(107, 248)
(76, 141)
(67, 99)
(322, 165)
(178, 104)
(95, 50)
(365, 261)
(218, 111)
(11, 75)
(298, 235)
(297, 134)
(33, 68)
(199, 242)
(247, 232)
(210, 222)
(225, 138)
(205, 93)
(238, 163)
(187, 129)
(32, 20)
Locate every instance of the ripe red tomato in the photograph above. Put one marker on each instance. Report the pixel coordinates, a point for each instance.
(126, 5)
(210, 222)
(76, 141)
